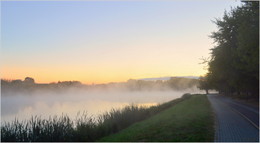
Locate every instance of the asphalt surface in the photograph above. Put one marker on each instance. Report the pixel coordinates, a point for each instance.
(234, 121)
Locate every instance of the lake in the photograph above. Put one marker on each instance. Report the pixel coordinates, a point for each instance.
(72, 102)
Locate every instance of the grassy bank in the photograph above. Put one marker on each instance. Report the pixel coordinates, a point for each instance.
(84, 128)
(190, 120)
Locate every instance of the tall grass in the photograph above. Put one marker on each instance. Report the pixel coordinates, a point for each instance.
(83, 128)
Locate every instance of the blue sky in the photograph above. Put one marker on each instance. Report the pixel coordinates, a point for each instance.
(106, 41)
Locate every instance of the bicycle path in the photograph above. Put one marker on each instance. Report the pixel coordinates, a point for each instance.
(232, 124)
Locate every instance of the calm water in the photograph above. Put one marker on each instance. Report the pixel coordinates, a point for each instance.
(71, 102)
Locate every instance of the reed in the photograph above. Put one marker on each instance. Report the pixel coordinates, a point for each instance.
(83, 128)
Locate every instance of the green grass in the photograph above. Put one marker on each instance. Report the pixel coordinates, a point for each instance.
(190, 120)
(84, 128)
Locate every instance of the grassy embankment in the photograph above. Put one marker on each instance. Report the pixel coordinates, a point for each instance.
(84, 128)
(190, 120)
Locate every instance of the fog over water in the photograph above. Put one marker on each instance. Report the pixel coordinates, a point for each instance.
(73, 101)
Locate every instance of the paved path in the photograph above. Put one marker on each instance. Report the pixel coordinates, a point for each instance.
(235, 122)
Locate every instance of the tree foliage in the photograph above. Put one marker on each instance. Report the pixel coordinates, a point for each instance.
(234, 64)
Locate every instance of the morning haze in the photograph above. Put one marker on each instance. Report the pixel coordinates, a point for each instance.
(130, 71)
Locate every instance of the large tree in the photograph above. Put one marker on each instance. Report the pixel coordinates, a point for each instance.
(234, 64)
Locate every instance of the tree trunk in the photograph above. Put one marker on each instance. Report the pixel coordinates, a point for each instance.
(207, 91)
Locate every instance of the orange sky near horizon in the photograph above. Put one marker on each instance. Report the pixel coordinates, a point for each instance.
(102, 75)
(106, 41)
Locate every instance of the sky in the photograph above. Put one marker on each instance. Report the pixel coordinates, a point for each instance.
(106, 41)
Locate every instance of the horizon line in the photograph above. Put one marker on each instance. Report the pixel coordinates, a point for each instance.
(147, 78)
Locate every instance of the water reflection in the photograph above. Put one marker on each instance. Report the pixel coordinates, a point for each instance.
(94, 102)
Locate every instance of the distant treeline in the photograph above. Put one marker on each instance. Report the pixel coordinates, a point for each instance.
(233, 68)
(28, 85)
